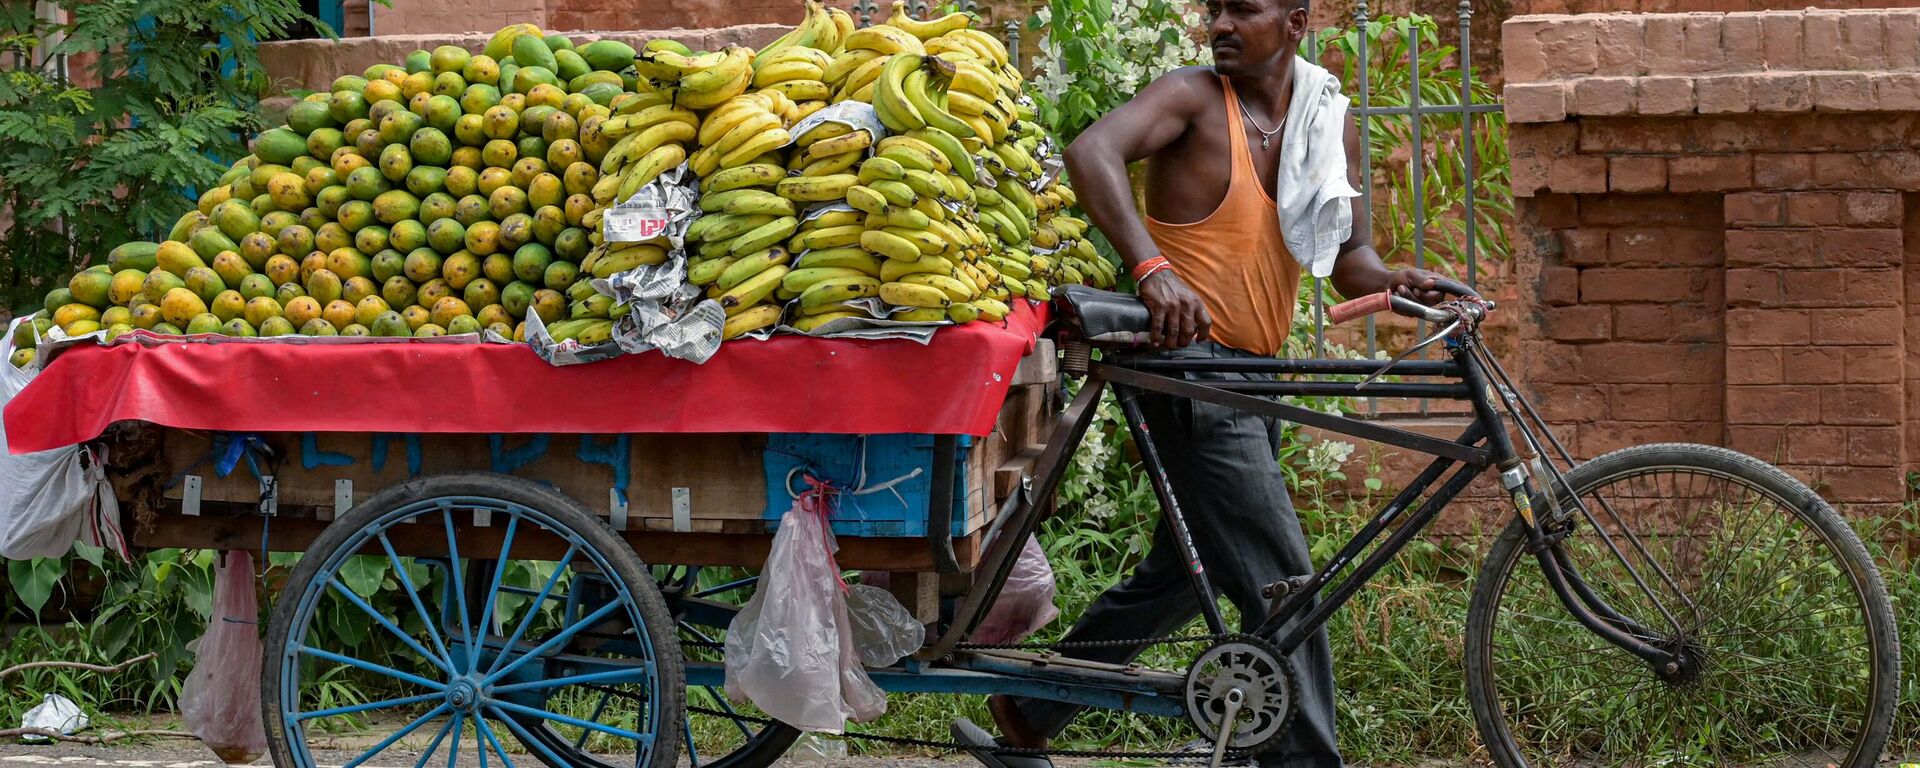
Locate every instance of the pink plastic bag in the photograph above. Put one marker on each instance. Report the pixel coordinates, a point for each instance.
(221, 699)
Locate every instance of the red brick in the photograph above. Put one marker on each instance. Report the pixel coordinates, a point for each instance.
(1664, 96)
(1566, 402)
(1723, 135)
(1702, 48)
(1867, 404)
(1693, 211)
(1766, 327)
(1752, 287)
(1665, 135)
(1666, 247)
(1605, 285)
(1813, 209)
(1620, 40)
(1812, 365)
(1624, 362)
(1773, 405)
(1823, 48)
(1570, 48)
(1522, 54)
(1896, 91)
(1818, 445)
(1697, 402)
(1861, 247)
(1813, 288)
(1578, 174)
(1874, 365)
(1833, 132)
(1754, 365)
(1777, 171)
(1873, 288)
(1637, 174)
(1765, 443)
(1842, 92)
(1586, 246)
(1638, 402)
(1710, 173)
(1874, 446)
(1755, 209)
(1536, 102)
(1599, 438)
(1666, 44)
(1858, 326)
(1602, 96)
(1872, 209)
(1770, 248)
(1723, 94)
(1780, 44)
(1578, 323)
(1892, 170)
(1698, 322)
(1559, 286)
(1742, 41)
(1903, 40)
(1863, 484)
(1863, 39)
(1841, 169)
(1781, 92)
(1557, 211)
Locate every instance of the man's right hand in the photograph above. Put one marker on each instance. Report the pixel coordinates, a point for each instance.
(1178, 316)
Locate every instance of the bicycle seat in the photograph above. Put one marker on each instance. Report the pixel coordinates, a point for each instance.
(1102, 317)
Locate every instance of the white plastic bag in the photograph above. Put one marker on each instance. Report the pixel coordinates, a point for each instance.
(51, 498)
(221, 698)
(55, 713)
(1025, 603)
(883, 630)
(791, 650)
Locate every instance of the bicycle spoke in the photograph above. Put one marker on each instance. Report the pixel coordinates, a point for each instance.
(435, 745)
(493, 591)
(413, 594)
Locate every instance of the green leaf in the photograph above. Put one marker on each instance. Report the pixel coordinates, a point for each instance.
(363, 574)
(33, 581)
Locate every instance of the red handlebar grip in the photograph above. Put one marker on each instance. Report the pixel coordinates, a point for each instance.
(1360, 307)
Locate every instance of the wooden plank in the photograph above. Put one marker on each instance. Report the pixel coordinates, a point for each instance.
(289, 534)
(1041, 366)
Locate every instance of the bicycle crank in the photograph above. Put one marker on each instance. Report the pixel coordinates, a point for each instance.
(1241, 694)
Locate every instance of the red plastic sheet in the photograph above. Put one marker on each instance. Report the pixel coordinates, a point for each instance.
(952, 385)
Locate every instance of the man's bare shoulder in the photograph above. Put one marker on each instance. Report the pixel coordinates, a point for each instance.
(1196, 83)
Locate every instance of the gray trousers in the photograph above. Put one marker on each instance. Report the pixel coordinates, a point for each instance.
(1222, 466)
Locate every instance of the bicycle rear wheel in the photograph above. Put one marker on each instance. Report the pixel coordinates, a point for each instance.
(1790, 637)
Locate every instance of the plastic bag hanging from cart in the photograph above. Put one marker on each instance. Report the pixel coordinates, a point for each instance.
(221, 698)
(791, 650)
(49, 499)
(1024, 605)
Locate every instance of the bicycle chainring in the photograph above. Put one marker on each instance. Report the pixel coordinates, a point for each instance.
(1266, 683)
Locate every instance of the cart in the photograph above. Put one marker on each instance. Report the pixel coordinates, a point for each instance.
(571, 590)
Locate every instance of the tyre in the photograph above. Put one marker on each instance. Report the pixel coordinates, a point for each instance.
(720, 732)
(1782, 618)
(549, 638)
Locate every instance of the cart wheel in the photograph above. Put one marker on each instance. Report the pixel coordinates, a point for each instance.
(560, 646)
(720, 733)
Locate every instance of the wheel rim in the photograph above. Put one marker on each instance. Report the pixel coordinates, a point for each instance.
(719, 733)
(489, 666)
(1774, 627)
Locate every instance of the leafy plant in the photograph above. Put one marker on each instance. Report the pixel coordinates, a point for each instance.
(87, 166)
(1096, 54)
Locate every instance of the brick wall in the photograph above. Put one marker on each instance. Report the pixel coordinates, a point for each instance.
(1715, 209)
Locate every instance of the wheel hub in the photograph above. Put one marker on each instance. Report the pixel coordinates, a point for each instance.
(1250, 670)
(1689, 663)
(464, 695)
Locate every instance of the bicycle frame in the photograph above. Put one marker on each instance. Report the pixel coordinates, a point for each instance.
(1303, 606)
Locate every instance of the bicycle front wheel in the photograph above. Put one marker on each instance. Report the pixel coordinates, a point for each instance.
(1780, 617)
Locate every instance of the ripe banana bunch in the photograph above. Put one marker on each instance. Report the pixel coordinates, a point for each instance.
(739, 132)
(646, 143)
(702, 81)
(798, 74)
(821, 29)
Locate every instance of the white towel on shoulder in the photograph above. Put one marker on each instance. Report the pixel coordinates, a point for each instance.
(1315, 217)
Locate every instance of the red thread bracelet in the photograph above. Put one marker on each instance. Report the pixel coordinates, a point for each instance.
(1145, 269)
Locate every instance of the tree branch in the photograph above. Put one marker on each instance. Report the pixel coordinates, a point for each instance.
(103, 738)
(120, 667)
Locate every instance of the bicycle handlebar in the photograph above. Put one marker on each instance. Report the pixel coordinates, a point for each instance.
(1384, 301)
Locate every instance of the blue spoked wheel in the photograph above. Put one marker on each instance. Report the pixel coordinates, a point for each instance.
(720, 733)
(538, 637)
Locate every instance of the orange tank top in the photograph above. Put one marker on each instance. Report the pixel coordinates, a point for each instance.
(1235, 258)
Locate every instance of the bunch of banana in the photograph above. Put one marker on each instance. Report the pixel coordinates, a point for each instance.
(700, 82)
(646, 143)
(740, 132)
(822, 29)
(796, 74)
(586, 331)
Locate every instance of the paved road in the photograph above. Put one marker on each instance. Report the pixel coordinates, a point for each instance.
(175, 756)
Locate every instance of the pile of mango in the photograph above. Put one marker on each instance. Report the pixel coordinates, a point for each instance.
(458, 192)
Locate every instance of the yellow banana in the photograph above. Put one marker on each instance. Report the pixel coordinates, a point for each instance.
(954, 289)
(828, 237)
(919, 315)
(754, 147)
(991, 310)
(834, 218)
(973, 80)
(810, 89)
(671, 65)
(788, 70)
(881, 169)
(753, 125)
(822, 132)
(720, 226)
(835, 290)
(989, 132)
(905, 218)
(842, 22)
(753, 290)
(741, 177)
(949, 147)
(800, 279)
(893, 269)
(925, 183)
(727, 116)
(913, 153)
(890, 245)
(913, 295)
(929, 29)
(917, 88)
(750, 320)
(816, 188)
(846, 63)
(620, 261)
(885, 39)
(852, 142)
(1010, 267)
(829, 165)
(845, 257)
(963, 312)
(805, 109)
(639, 144)
(889, 98)
(895, 192)
(863, 78)
(750, 265)
(649, 167)
(621, 125)
(966, 104)
(761, 202)
(988, 44)
(929, 243)
(704, 162)
(708, 99)
(705, 272)
(810, 323)
(866, 199)
(734, 62)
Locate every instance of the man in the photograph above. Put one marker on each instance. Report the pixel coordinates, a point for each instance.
(1219, 265)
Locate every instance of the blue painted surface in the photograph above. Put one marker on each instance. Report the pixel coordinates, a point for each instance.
(311, 457)
(505, 461)
(616, 454)
(970, 683)
(415, 456)
(879, 493)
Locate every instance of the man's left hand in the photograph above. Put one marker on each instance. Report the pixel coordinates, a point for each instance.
(1416, 284)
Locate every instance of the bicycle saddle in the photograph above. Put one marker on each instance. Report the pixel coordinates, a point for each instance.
(1103, 317)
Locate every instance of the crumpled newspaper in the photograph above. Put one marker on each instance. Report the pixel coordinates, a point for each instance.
(54, 713)
(855, 114)
(874, 326)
